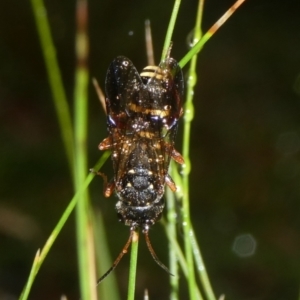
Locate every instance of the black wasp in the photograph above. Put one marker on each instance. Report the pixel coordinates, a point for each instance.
(142, 120)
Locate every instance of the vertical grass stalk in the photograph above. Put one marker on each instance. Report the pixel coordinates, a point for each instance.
(190, 242)
(85, 243)
(170, 29)
(55, 79)
(171, 229)
(188, 117)
(109, 290)
(133, 265)
(201, 269)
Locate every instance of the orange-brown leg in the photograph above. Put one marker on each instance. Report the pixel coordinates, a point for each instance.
(108, 187)
(170, 183)
(177, 156)
(174, 153)
(106, 144)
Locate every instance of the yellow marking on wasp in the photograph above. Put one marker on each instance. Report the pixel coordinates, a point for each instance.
(146, 134)
(154, 112)
(151, 75)
(152, 72)
(152, 68)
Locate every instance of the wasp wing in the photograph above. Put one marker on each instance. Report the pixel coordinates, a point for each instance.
(122, 83)
(167, 86)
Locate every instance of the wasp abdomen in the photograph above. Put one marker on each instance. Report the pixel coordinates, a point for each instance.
(139, 187)
(139, 216)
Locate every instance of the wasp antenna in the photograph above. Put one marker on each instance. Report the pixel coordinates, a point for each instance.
(100, 94)
(149, 43)
(124, 251)
(153, 254)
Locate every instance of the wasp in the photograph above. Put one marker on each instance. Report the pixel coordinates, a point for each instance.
(142, 120)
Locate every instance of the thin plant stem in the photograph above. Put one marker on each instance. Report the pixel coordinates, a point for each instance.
(198, 46)
(61, 104)
(171, 229)
(176, 247)
(133, 265)
(192, 245)
(208, 291)
(190, 110)
(170, 29)
(40, 257)
(109, 290)
(178, 179)
(189, 243)
(180, 257)
(85, 242)
(25, 293)
(188, 117)
(55, 78)
(91, 256)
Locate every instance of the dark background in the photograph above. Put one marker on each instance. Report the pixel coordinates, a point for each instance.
(245, 145)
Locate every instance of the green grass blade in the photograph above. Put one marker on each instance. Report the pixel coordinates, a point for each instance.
(198, 46)
(172, 230)
(133, 265)
(188, 117)
(25, 293)
(181, 260)
(189, 241)
(170, 29)
(192, 244)
(109, 288)
(49, 243)
(201, 269)
(54, 77)
(85, 242)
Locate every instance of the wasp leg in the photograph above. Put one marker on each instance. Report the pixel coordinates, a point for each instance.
(108, 187)
(174, 153)
(177, 156)
(106, 144)
(170, 183)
